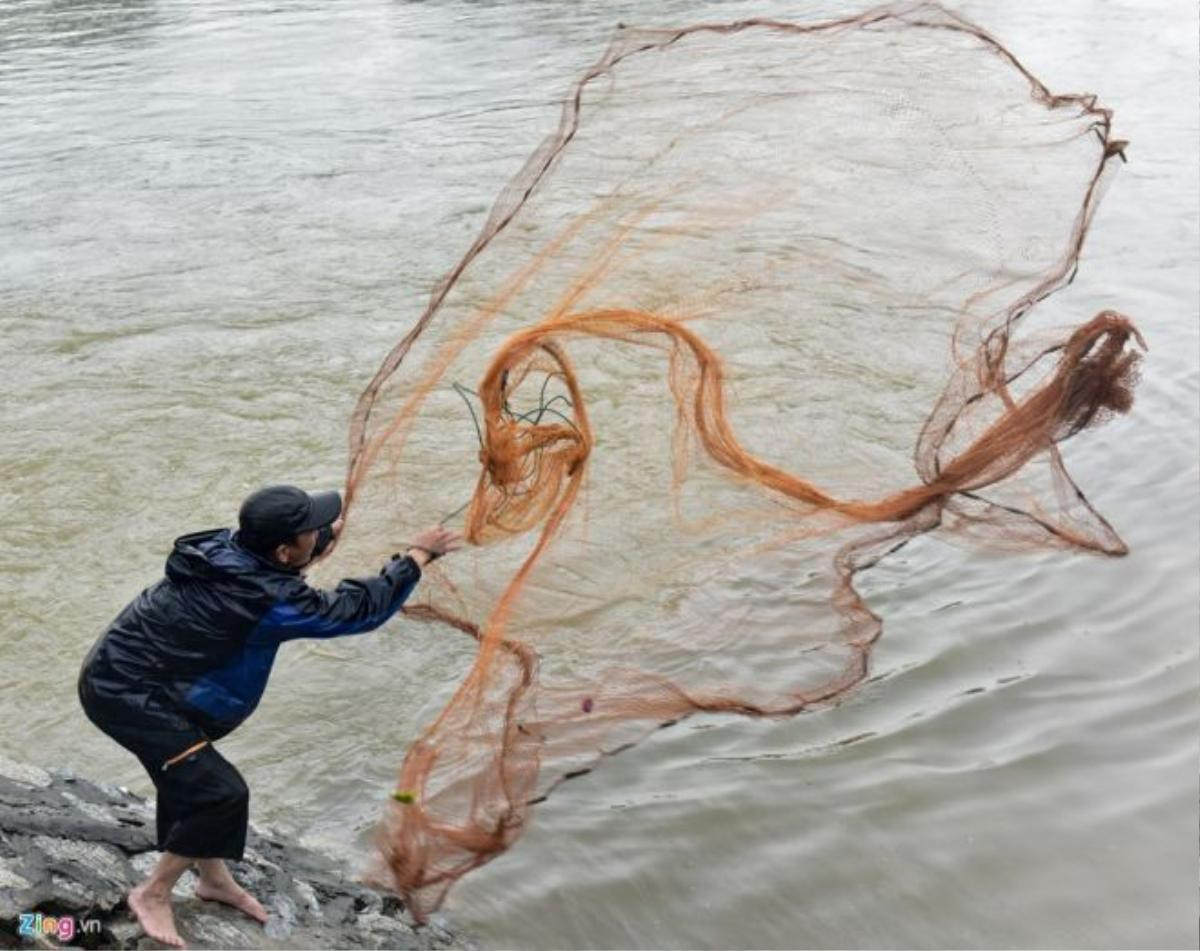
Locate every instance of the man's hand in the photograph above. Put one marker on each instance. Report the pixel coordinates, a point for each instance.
(433, 543)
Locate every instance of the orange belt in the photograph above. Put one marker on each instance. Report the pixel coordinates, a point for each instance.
(186, 753)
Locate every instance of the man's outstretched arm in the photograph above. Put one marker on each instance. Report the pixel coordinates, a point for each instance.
(357, 604)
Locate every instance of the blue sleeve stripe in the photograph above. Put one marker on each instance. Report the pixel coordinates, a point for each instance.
(287, 620)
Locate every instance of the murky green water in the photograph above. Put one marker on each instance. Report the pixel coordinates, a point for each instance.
(215, 218)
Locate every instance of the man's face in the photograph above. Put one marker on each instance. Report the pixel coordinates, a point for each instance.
(299, 551)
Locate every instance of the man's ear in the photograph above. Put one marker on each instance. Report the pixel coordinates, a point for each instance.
(281, 553)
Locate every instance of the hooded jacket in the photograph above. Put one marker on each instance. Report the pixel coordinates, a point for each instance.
(205, 636)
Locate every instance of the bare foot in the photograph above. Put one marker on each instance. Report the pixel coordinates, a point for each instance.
(154, 914)
(230, 893)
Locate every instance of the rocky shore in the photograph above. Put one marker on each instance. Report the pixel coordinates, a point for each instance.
(71, 849)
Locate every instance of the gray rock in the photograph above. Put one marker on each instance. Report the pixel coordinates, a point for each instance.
(388, 932)
(308, 897)
(12, 884)
(91, 809)
(9, 878)
(72, 847)
(201, 929)
(125, 934)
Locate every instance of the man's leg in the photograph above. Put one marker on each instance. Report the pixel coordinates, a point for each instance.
(203, 812)
(155, 734)
(151, 900)
(202, 806)
(217, 884)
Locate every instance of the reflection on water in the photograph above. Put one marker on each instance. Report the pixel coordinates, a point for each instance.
(214, 221)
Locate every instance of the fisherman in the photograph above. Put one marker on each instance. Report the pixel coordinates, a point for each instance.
(188, 659)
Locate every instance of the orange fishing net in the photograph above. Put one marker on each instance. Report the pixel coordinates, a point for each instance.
(749, 320)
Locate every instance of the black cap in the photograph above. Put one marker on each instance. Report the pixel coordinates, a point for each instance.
(275, 514)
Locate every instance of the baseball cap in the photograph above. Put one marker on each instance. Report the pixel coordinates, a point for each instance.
(274, 514)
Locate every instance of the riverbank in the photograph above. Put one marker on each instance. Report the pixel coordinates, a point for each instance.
(70, 850)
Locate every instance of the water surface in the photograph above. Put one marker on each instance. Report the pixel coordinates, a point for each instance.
(215, 219)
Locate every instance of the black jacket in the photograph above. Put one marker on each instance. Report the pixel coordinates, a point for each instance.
(206, 635)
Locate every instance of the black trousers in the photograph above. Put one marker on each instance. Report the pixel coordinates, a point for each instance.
(203, 804)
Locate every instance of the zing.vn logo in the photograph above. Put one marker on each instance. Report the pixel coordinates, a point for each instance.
(63, 927)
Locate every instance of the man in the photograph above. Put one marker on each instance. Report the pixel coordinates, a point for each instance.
(188, 659)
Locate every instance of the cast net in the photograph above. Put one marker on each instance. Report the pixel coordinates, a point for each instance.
(750, 319)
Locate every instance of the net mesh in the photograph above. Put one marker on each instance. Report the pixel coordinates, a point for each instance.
(749, 320)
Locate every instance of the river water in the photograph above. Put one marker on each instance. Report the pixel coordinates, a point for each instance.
(216, 218)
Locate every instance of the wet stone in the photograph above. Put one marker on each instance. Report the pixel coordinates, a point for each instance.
(69, 846)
